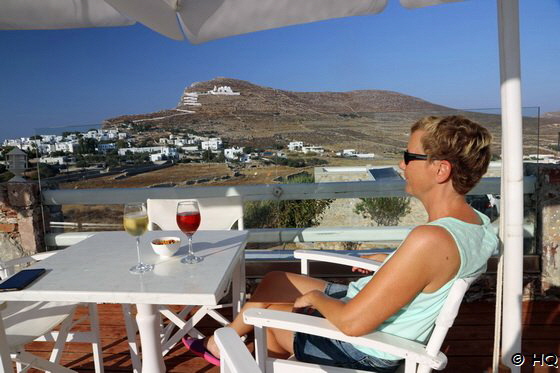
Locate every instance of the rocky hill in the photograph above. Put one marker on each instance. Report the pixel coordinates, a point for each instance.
(367, 120)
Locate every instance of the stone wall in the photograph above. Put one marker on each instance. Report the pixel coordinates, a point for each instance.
(548, 208)
(21, 220)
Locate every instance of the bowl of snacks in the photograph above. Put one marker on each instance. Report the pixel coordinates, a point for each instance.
(166, 246)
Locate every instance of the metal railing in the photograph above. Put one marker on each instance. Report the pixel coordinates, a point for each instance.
(334, 190)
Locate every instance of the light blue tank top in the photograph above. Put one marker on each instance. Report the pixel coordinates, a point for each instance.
(416, 320)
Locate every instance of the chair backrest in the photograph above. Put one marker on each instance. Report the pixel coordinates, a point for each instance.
(446, 317)
(216, 213)
(10, 267)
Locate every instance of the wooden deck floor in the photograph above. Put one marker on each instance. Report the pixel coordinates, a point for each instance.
(468, 344)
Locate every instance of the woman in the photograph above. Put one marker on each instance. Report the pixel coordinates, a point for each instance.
(445, 159)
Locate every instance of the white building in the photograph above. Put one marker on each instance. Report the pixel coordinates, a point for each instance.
(541, 158)
(106, 147)
(312, 149)
(164, 150)
(294, 146)
(190, 149)
(91, 134)
(365, 155)
(66, 146)
(190, 99)
(214, 143)
(54, 160)
(46, 148)
(233, 153)
(353, 153)
(223, 90)
(347, 153)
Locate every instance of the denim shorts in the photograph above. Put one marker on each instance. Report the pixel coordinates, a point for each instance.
(319, 350)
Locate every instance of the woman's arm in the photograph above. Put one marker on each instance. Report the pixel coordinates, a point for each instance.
(426, 260)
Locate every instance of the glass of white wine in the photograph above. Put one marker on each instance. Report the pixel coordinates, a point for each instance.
(135, 221)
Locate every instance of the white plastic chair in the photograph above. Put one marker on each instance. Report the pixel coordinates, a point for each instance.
(26, 322)
(418, 357)
(216, 213)
(234, 356)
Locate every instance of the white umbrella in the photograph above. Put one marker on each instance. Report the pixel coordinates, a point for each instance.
(203, 20)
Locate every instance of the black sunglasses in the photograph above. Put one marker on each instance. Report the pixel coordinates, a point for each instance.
(413, 157)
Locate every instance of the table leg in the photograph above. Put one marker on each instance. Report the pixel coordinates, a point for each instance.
(238, 286)
(148, 326)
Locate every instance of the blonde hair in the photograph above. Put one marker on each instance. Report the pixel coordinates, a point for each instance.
(460, 141)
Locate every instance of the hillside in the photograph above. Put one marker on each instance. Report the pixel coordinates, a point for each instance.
(367, 120)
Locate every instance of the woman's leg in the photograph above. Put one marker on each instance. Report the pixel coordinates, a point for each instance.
(278, 290)
(280, 342)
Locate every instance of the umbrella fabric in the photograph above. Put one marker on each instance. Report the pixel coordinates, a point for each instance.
(58, 14)
(198, 20)
(204, 20)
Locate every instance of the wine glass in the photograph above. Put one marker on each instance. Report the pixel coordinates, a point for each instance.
(188, 220)
(135, 221)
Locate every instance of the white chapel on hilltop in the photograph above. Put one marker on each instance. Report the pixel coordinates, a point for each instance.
(223, 90)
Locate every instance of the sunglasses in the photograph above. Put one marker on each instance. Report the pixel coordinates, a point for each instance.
(413, 157)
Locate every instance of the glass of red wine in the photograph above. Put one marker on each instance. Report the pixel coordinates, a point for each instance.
(188, 220)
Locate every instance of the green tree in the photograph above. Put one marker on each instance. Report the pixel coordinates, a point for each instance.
(385, 211)
(82, 163)
(68, 133)
(87, 146)
(208, 156)
(296, 162)
(286, 214)
(6, 150)
(45, 170)
(221, 158)
(5, 176)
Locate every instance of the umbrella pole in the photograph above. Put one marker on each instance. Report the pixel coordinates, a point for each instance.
(512, 181)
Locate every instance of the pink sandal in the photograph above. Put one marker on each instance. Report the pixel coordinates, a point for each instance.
(197, 347)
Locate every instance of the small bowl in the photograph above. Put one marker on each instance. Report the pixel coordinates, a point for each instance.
(166, 246)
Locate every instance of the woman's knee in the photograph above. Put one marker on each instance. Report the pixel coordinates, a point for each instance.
(274, 277)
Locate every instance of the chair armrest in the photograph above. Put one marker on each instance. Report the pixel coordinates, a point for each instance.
(343, 259)
(388, 343)
(234, 353)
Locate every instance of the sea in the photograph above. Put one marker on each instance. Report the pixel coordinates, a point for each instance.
(62, 129)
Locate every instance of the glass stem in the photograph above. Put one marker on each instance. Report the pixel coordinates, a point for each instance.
(190, 245)
(138, 249)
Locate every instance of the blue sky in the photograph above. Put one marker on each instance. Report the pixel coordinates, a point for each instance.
(445, 54)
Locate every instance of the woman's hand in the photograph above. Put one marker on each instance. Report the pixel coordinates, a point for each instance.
(304, 300)
(377, 257)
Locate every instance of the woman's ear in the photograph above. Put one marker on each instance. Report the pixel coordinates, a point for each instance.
(444, 171)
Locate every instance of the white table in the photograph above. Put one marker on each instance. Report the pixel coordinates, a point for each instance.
(97, 270)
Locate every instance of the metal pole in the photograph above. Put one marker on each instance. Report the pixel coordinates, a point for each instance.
(508, 24)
